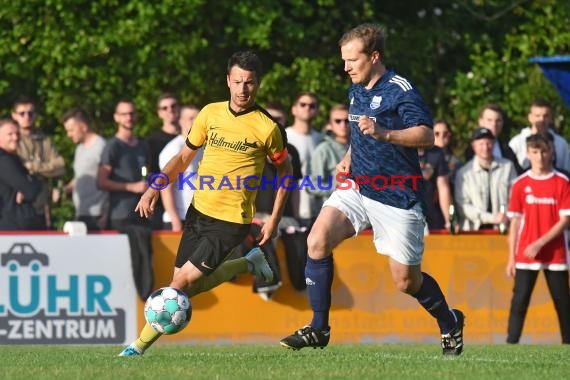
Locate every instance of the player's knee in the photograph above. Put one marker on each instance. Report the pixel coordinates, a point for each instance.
(316, 244)
(405, 285)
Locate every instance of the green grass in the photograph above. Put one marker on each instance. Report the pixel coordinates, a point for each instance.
(272, 362)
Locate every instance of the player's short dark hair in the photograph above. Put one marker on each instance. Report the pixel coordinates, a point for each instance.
(538, 141)
(246, 60)
(373, 37)
(78, 114)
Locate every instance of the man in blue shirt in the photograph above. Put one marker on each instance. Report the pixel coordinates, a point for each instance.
(389, 122)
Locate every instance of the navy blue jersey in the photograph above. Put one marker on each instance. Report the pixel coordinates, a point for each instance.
(394, 103)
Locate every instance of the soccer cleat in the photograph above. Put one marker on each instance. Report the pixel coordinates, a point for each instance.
(131, 350)
(259, 265)
(306, 337)
(452, 343)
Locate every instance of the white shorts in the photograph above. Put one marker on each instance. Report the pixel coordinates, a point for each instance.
(398, 233)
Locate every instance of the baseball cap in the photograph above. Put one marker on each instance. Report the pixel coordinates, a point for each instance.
(482, 133)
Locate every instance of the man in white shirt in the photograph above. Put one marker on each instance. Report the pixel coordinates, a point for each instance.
(540, 119)
(175, 200)
(303, 137)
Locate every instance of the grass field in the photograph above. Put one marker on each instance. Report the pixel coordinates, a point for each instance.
(392, 361)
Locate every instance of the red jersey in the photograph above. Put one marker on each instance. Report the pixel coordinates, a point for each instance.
(540, 201)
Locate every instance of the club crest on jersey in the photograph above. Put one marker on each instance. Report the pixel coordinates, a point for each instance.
(375, 102)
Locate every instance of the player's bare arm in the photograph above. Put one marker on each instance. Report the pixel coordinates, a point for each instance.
(513, 240)
(268, 229)
(177, 164)
(532, 250)
(419, 136)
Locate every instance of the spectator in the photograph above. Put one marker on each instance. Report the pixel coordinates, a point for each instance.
(437, 190)
(482, 185)
(120, 173)
(303, 137)
(175, 201)
(539, 210)
(540, 119)
(169, 112)
(90, 203)
(492, 117)
(265, 198)
(39, 155)
(18, 188)
(328, 154)
(288, 227)
(443, 138)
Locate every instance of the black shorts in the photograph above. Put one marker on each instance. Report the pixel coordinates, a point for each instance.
(206, 242)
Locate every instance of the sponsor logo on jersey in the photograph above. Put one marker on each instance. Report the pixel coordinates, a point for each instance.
(223, 143)
(376, 100)
(531, 200)
(355, 118)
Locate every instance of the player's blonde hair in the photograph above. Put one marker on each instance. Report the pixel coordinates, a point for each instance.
(373, 38)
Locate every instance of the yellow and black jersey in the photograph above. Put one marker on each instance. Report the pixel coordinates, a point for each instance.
(235, 147)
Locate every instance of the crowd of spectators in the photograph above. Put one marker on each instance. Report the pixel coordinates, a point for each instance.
(463, 193)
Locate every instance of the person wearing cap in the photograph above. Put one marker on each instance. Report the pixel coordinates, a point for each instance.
(482, 185)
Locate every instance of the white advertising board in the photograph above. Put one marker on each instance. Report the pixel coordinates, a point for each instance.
(59, 289)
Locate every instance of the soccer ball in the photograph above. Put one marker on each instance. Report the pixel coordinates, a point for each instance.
(168, 310)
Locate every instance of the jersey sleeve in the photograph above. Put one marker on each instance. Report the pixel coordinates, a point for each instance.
(516, 201)
(198, 134)
(276, 145)
(412, 109)
(565, 200)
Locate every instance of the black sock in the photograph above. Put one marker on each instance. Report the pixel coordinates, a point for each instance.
(433, 300)
(319, 277)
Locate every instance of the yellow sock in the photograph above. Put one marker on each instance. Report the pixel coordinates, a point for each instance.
(146, 338)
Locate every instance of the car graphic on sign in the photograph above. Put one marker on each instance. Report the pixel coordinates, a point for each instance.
(24, 254)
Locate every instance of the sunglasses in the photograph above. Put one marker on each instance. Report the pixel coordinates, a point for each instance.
(310, 105)
(172, 107)
(442, 134)
(24, 113)
(338, 121)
